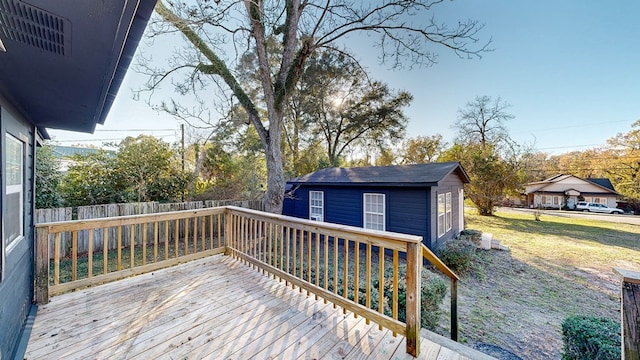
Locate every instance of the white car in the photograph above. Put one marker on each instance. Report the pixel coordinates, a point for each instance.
(595, 207)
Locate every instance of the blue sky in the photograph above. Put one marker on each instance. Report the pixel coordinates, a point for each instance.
(569, 69)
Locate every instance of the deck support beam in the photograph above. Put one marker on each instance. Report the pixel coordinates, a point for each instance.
(630, 302)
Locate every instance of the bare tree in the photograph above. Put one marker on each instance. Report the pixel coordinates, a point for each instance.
(482, 120)
(405, 32)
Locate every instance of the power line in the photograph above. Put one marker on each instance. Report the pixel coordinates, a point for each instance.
(113, 139)
(127, 130)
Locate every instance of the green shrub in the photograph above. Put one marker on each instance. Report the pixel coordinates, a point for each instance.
(433, 292)
(458, 254)
(593, 338)
(474, 235)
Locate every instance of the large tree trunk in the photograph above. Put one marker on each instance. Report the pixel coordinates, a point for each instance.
(274, 196)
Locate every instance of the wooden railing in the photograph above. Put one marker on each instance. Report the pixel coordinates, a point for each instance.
(630, 310)
(345, 265)
(141, 243)
(373, 274)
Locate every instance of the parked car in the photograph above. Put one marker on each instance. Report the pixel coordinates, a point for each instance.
(595, 207)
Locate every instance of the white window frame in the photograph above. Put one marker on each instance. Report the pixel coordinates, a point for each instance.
(444, 211)
(14, 188)
(441, 209)
(380, 225)
(316, 211)
(448, 218)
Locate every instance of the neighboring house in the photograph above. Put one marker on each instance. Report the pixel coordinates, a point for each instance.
(422, 199)
(61, 64)
(65, 154)
(566, 190)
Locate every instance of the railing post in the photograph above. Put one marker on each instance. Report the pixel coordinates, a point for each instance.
(630, 299)
(454, 309)
(227, 231)
(41, 291)
(414, 290)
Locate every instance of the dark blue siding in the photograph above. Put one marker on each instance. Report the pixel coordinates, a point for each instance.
(16, 286)
(343, 206)
(406, 208)
(407, 212)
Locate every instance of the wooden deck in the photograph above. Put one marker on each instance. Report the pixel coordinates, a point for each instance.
(214, 308)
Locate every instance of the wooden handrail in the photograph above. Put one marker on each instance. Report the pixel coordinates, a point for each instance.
(386, 239)
(435, 261)
(75, 225)
(630, 309)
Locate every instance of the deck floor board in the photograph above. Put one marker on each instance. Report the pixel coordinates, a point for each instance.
(211, 308)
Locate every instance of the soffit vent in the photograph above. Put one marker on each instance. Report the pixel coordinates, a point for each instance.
(33, 26)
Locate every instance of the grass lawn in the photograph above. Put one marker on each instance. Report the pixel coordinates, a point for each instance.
(556, 267)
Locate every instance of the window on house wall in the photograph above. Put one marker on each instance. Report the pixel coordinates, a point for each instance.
(442, 208)
(14, 175)
(444, 213)
(374, 216)
(448, 211)
(316, 205)
(599, 200)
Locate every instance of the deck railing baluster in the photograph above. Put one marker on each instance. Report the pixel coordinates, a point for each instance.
(56, 266)
(105, 250)
(90, 255)
(74, 256)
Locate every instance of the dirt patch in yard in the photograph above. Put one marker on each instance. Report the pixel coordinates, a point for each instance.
(518, 299)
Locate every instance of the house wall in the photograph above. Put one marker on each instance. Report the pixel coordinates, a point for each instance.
(451, 183)
(16, 278)
(559, 200)
(407, 209)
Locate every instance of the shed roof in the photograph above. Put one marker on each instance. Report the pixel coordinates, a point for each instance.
(395, 175)
(62, 62)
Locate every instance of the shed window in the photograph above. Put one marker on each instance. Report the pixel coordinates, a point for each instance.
(448, 211)
(14, 172)
(444, 213)
(374, 212)
(316, 205)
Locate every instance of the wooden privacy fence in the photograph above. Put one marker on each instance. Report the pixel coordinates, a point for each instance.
(116, 210)
(342, 264)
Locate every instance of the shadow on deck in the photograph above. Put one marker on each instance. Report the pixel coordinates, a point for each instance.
(215, 308)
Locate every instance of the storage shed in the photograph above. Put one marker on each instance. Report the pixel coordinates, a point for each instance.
(421, 199)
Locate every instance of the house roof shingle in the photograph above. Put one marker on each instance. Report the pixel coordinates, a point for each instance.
(395, 175)
(604, 182)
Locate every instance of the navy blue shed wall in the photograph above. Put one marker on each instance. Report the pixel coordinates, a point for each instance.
(406, 208)
(17, 264)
